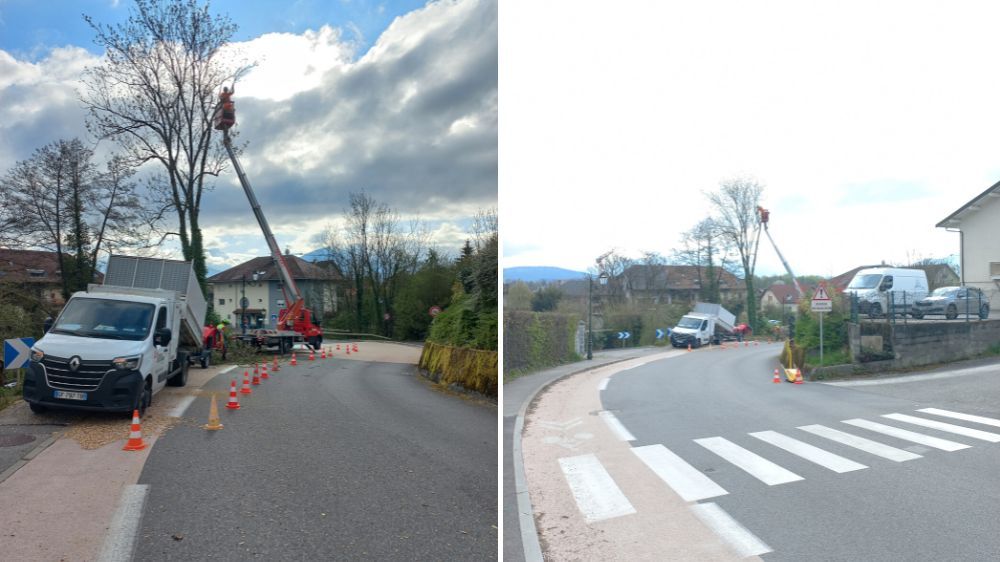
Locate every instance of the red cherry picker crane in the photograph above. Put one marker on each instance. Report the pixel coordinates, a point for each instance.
(294, 322)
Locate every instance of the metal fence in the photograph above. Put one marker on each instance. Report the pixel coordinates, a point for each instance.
(963, 303)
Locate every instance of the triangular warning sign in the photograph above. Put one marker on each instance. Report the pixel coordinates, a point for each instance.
(820, 294)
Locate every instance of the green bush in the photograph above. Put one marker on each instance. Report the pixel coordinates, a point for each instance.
(470, 368)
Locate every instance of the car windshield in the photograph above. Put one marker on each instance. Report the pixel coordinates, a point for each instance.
(103, 318)
(689, 322)
(869, 281)
(945, 292)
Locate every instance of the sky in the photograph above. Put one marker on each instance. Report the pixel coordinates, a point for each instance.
(396, 99)
(866, 122)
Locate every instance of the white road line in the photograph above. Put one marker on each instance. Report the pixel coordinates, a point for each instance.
(119, 543)
(604, 383)
(227, 369)
(178, 410)
(907, 435)
(596, 494)
(689, 482)
(959, 416)
(616, 426)
(758, 467)
(819, 456)
(867, 445)
(739, 538)
(950, 428)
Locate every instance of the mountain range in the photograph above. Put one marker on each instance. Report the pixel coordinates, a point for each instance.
(540, 273)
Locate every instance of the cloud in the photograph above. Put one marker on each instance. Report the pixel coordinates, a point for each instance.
(412, 122)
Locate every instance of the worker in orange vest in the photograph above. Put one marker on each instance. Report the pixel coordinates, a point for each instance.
(226, 115)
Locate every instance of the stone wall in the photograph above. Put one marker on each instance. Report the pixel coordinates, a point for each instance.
(922, 343)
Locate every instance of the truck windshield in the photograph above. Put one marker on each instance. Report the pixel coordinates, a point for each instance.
(869, 281)
(108, 319)
(689, 322)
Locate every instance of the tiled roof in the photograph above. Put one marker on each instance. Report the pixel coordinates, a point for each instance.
(18, 265)
(299, 268)
(674, 278)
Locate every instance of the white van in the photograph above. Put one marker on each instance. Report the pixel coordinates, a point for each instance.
(875, 287)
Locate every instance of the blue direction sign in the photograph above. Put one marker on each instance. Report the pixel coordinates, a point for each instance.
(17, 352)
(659, 334)
(624, 335)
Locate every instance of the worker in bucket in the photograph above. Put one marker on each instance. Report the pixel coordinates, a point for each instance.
(225, 116)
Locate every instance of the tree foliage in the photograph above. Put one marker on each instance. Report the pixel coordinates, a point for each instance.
(735, 205)
(154, 94)
(546, 299)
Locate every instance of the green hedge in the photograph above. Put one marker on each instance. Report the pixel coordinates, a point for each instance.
(535, 340)
(473, 369)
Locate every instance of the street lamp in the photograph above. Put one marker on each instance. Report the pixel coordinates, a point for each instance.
(590, 313)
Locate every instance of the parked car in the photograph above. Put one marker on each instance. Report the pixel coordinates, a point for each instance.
(952, 301)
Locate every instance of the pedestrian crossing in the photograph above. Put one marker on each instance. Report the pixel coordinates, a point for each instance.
(591, 482)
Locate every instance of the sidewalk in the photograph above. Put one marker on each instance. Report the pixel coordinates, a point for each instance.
(518, 519)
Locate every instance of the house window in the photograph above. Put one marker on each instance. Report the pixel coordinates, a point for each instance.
(222, 301)
(36, 272)
(995, 270)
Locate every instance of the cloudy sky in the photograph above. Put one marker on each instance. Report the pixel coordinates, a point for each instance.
(398, 99)
(867, 122)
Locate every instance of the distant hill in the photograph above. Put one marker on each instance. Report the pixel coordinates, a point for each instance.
(540, 273)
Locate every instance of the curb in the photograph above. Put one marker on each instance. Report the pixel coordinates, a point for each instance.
(525, 512)
(28, 456)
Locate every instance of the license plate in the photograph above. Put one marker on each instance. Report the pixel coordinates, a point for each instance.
(69, 395)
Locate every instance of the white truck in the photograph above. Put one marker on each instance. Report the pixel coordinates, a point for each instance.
(707, 323)
(115, 345)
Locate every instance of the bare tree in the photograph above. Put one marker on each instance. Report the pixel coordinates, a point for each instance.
(614, 265)
(737, 221)
(155, 95)
(705, 248)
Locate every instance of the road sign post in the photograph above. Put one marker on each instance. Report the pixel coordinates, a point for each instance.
(821, 303)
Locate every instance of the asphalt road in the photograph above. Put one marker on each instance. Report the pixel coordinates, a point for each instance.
(941, 506)
(331, 460)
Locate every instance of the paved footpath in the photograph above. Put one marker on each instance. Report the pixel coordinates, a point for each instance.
(520, 542)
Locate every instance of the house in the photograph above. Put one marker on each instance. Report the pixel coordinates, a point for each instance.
(668, 284)
(979, 245)
(259, 281)
(781, 296)
(37, 275)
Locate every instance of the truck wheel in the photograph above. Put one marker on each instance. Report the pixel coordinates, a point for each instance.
(37, 408)
(143, 400)
(206, 360)
(984, 312)
(181, 378)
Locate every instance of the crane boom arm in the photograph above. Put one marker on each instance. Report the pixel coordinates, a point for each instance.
(783, 262)
(279, 259)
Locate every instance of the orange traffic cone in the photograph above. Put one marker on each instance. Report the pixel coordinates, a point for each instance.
(348, 349)
(312, 355)
(777, 378)
(322, 353)
(246, 383)
(256, 368)
(213, 416)
(135, 442)
(256, 379)
(689, 347)
(355, 348)
(263, 372)
(338, 347)
(234, 401)
(275, 368)
(798, 377)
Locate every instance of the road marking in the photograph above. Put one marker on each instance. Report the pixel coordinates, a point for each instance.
(950, 428)
(689, 482)
(757, 466)
(907, 435)
(604, 383)
(226, 370)
(740, 538)
(819, 456)
(867, 445)
(562, 426)
(983, 370)
(119, 544)
(178, 410)
(596, 494)
(616, 426)
(959, 416)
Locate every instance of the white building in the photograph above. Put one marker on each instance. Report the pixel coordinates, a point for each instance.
(977, 224)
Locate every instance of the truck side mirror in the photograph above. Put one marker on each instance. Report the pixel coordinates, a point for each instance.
(162, 337)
